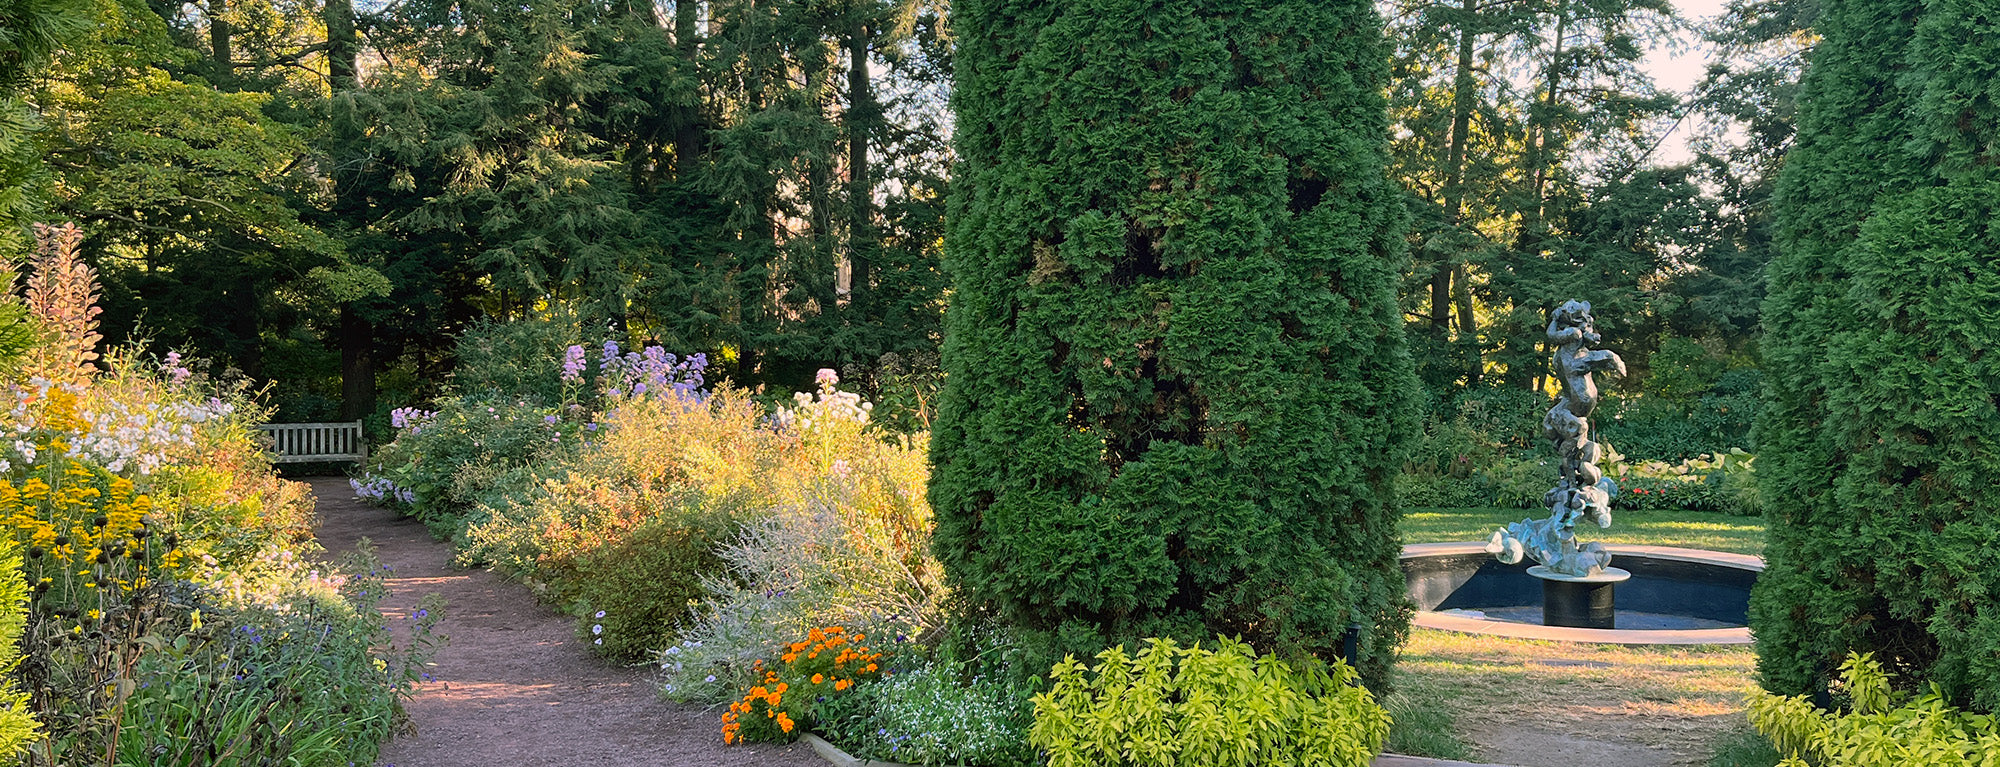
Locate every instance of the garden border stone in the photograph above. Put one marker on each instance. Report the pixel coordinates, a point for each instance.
(839, 758)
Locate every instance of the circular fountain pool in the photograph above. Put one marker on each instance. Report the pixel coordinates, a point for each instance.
(1675, 596)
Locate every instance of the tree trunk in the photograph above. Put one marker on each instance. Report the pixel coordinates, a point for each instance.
(1453, 286)
(357, 365)
(1540, 127)
(862, 113)
(342, 49)
(219, 42)
(357, 335)
(688, 136)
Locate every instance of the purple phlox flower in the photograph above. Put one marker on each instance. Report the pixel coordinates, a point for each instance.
(550, 419)
(610, 351)
(826, 378)
(573, 363)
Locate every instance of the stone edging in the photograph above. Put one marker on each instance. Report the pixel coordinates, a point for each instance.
(839, 758)
(1730, 636)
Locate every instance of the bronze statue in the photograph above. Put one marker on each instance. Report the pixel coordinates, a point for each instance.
(1581, 488)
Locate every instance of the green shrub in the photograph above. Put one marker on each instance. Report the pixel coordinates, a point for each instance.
(1228, 706)
(1432, 491)
(1520, 483)
(634, 591)
(470, 448)
(1880, 434)
(1880, 729)
(1177, 388)
(515, 360)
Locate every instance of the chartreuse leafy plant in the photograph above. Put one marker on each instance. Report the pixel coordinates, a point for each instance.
(1173, 705)
(1177, 387)
(1883, 729)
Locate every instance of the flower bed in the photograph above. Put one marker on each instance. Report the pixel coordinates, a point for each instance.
(154, 568)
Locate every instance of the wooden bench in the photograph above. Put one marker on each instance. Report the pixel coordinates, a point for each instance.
(317, 442)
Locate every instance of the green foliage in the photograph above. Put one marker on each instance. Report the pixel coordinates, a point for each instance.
(634, 591)
(516, 360)
(1227, 706)
(1879, 728)
(18, 726)
(1176, 383)
(932, 714)
(1878, 432)
(1423, 728)
(472, 448)
(1719, 482)
(314, 678)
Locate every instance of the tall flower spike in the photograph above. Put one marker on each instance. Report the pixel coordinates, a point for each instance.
(62, 293)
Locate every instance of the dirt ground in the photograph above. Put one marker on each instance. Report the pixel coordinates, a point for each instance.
(1551, 704)
(515, 687)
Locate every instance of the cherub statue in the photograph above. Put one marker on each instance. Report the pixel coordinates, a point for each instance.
(1581, 490)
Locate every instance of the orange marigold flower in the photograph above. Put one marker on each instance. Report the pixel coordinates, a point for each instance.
(819, 678)
(842, 684)
(785, 723)
(791, 656)
(782, 687)
(869, 668)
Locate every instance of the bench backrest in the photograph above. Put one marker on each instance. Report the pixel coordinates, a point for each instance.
(317, 442)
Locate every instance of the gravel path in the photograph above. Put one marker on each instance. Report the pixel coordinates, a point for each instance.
(516, 688)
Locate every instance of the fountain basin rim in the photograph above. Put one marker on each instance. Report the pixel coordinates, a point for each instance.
(1453, 623)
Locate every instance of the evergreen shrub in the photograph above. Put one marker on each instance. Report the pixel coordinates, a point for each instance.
(1881, 430)
(1177, 386)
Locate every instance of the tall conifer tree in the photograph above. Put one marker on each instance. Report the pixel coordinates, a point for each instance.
(1881, 434)
(1177, 385)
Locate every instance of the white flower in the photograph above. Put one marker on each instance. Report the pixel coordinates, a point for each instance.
(598, 629)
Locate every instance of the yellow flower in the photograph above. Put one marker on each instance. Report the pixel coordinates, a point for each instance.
(195, 619)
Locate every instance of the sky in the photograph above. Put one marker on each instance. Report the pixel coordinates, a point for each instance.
(1678, 70)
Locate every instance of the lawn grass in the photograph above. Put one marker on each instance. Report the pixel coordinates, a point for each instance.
(1454, 690)
(1687, 700)
(1710, 530)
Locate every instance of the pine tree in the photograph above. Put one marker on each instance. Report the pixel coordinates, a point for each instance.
(1176, 376)
(1881, 429)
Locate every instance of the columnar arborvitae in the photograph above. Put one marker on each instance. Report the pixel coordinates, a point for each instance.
(1177, 385)
(1881, 432)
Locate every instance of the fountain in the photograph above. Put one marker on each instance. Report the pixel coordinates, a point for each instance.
(1660, 595)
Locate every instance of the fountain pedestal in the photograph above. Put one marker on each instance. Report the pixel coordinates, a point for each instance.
(1579, 601)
